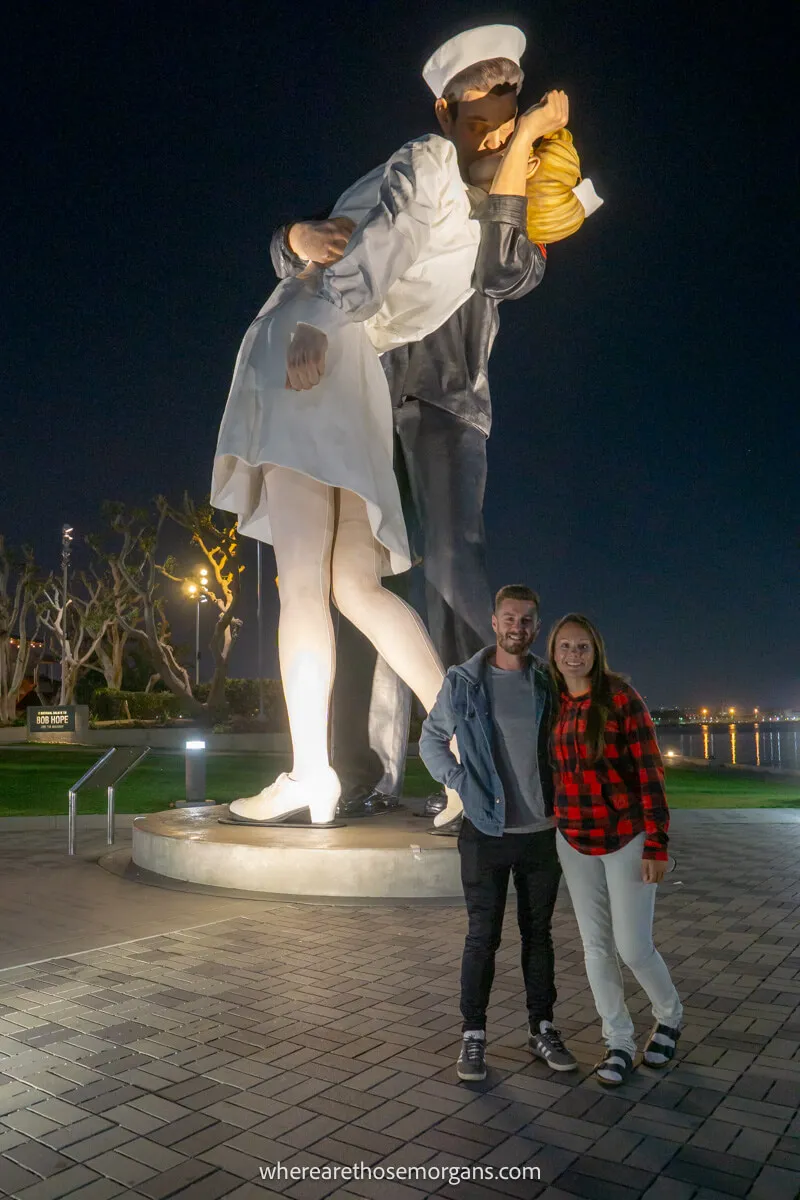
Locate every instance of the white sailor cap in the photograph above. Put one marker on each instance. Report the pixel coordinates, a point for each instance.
(466, 49)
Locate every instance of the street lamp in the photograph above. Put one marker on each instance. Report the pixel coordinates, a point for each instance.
(196, 591)
(67, 535)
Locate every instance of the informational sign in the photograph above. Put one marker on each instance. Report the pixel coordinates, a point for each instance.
(52, 720)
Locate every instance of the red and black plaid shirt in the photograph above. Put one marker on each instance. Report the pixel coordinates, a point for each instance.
(600, 806)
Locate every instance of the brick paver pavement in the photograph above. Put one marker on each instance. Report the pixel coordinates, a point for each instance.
(178, 1064)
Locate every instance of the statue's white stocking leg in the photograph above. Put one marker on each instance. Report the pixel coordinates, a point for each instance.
(301, 514)
(393, 627)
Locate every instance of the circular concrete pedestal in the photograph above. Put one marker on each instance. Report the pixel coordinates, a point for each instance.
(386, 857)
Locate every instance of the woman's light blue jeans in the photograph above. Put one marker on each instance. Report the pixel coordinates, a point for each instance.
(614, 910)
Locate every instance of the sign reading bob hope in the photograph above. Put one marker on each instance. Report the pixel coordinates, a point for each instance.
(52, 720)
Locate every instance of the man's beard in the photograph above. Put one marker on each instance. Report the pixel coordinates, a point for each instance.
(514, 645)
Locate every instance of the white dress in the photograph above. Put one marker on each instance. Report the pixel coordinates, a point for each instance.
(408, 267)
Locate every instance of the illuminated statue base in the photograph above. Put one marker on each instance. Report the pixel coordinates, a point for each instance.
(391, 859)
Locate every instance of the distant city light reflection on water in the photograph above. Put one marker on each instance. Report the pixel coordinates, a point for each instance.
(753, 745)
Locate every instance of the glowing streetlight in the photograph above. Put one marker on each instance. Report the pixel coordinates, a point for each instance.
(196, 591)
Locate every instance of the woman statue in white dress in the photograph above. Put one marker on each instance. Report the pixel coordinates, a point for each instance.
(304, 456)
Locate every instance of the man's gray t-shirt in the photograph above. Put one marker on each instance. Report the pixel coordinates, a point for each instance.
(516, 753)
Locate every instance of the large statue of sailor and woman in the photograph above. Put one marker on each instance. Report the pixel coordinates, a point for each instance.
(371, 355)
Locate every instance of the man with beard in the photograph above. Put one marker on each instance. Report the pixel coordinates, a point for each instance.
(498, 705)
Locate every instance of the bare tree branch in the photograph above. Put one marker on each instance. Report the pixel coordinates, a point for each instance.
(78, 623)
(19, 624)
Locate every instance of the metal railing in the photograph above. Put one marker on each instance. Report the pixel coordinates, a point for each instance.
(107, 772)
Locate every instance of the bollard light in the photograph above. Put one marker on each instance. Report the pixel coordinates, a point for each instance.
(195, 758)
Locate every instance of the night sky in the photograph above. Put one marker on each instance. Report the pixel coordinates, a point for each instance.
(644, 459)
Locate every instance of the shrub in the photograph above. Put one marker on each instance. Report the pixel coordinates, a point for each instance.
(109, 705)
(241, 698)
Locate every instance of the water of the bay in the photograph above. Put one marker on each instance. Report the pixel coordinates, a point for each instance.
(768, 744)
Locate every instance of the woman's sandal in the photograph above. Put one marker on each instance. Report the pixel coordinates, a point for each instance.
(661, 1045)
(617, 1068)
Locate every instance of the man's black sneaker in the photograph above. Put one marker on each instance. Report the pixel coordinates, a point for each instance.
(471, 1065)
(546, 1044)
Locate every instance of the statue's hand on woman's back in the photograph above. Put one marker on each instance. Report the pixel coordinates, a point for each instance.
(305, 359)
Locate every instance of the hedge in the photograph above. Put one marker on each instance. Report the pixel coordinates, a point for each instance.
(241, 699)
(109, 705)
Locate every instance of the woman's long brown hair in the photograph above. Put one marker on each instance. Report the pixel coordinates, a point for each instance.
(601, 682)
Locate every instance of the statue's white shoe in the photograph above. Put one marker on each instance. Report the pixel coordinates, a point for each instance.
(288, 797)
(451, 811)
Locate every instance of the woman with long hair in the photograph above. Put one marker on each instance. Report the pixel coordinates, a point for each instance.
(612, 817)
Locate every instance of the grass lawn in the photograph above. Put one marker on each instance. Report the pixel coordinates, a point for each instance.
(710, 788)
(34, 782)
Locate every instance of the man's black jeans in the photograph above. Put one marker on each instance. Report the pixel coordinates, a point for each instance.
(486, 864)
